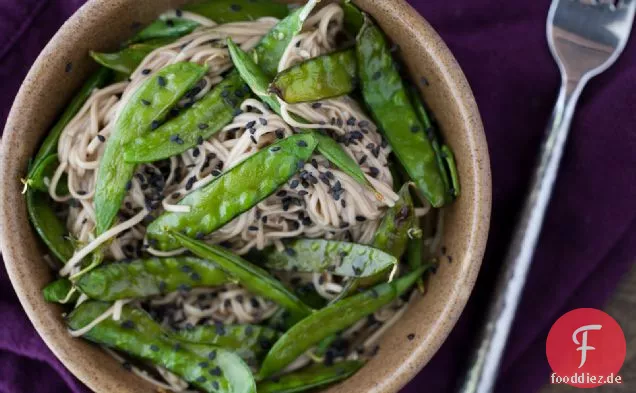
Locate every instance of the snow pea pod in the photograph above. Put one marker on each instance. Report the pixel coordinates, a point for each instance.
(58, 291)
(43, 172)
(128, 59)
(217, 109)
(49, 227)
(161, 91)
(147, 277)
(250, 342)
(165, 28)
(397, 225)
(250, 276)
(332, 319)
(138, 335)
(226, 11)
(205, 118)
(319, 255)
(312, 377)
(414, 258)
(322, 77)
(449, 159)
(235, 191)
(386, 97)
(49, 146)
(258, 81)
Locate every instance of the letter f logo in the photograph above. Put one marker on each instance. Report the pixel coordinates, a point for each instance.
(584, 347)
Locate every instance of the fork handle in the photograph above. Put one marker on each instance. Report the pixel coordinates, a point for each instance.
(482, 373)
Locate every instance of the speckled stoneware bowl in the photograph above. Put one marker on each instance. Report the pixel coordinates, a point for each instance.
(102, 25)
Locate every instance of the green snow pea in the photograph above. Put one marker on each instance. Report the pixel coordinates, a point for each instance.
(449, 159)
(58, 291)
(145, 108)
(207, 367)
(251, 277)
(397, 226)
(322, 77)
(205, 118)
(339, 258)
(431, 134)
(386, 97)
(226, 11)
(392, 236)
(414, 257)
(49, 146)
(250, 342)
(128, 59)
(49, 226)
(235, 191)
(312, 377)
(353, 17)
(43, 171)
(332, 319)
(165, 28)
(148, 277)
(217, 109)
(258, 81)
(269, 51)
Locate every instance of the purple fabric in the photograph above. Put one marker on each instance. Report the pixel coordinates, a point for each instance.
(589, 239)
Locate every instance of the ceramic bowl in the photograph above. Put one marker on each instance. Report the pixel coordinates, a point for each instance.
(102, 25)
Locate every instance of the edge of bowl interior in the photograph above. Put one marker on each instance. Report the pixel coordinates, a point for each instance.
(101, 25)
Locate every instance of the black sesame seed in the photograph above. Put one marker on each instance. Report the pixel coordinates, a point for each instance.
(199, 140)
(161, 81)
(235, 7)
(262, 121)
(280, 133)
(253, 138)
(377, 75)
(415, 128)
(219, 328)
(374, 171)
(316, 105)
(237, 112)
(146, 71)
(303, 192)
(216, 172)
(176, 139)
(154, 125)
(410, 337)
(281, 193)
(190, 183)
(212, 355)
(300, 165)
(290, 251)
(252, 228)
(362, 160)
(265, 343)
(294, 183)
(424, 81)
(343, 203)
(351, 121)
(339, 122)
(203, 126)
(225, 93)
(145, 102)
(204, 364)
(170, 23)
(101, 138)
(264, 219)
(215, 385)
(154, 348)
(69, 67)
(201, 379)
(216, 371)
(128, 324)
(301, 143)
(251, 124)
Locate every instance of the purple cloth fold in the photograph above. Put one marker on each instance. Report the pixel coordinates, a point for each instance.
(589, 238)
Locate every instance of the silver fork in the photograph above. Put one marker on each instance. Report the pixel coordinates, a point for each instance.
(585, 37)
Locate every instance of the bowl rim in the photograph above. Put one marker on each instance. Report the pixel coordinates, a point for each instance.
(461, 93)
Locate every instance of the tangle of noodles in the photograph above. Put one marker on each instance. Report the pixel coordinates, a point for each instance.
(305, 207)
